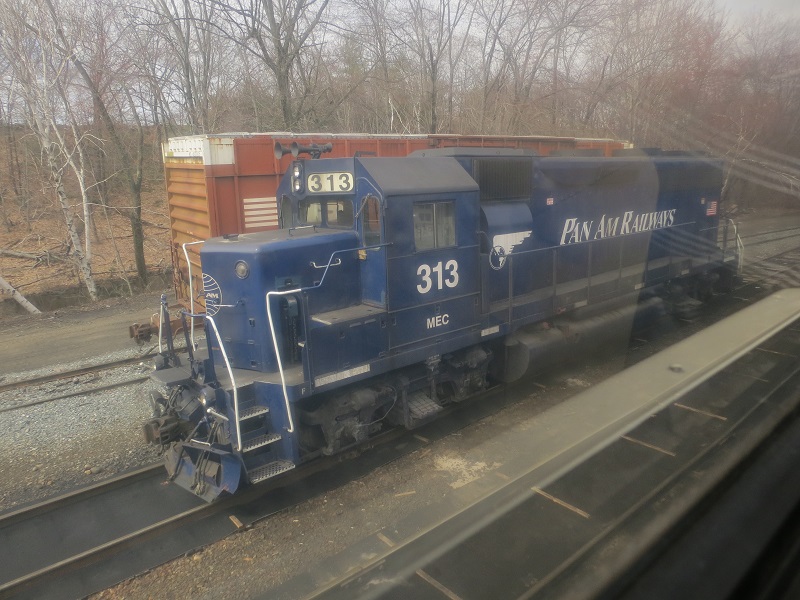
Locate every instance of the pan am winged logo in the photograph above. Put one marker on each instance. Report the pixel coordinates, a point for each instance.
(503, 245)
(212, 293)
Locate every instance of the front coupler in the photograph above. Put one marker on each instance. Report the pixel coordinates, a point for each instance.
(204, 469)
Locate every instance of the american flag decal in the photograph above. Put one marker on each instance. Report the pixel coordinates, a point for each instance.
(550, 201)
(260, 213)
(711, 209)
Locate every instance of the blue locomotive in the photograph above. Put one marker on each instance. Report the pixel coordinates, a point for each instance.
(396, 286)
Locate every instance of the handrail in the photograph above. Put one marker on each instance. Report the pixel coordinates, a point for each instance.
(233, 381)
(214, 413)
(330, 264)
(161, 323)
(291, 229)
(278, 354)
(191, 290)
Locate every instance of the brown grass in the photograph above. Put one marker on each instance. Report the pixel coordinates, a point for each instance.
(45, 235)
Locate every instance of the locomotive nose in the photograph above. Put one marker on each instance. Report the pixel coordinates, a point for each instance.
(239, 273)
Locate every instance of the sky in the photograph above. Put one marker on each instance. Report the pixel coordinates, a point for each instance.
(789, 8)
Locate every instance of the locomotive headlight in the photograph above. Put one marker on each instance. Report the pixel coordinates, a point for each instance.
(297, 177)
(242, 269)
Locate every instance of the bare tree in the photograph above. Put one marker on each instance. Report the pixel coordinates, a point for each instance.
(131, 161)
(379, 51)
(14, 293)
(41, 73)
(189, 45)
(278, 34)
(430, 35)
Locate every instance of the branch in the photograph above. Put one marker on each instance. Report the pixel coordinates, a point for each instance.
(44, 257)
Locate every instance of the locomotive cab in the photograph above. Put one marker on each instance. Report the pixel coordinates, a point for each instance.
(412, 274)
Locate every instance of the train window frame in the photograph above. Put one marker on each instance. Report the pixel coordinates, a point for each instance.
(324, 207)
(371, 220)
(441, 233)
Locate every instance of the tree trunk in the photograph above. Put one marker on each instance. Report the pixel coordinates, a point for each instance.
(7, 287)
(138, 240)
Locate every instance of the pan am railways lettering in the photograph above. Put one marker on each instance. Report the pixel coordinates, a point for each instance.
(583, 231)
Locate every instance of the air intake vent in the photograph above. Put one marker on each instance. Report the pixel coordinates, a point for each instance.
(503, 179)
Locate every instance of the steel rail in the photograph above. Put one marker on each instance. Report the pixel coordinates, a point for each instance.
(124, 362)
(769, 241)
(109, 547)
(26, 512)
(50, 506)
(770, 232)
(14, 385)
(102, 388)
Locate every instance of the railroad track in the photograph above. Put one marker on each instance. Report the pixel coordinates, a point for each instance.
(85, 392)
(789, 232)
(134, 522)
(49, 548)
(780, 270)
(761, 242)
(80, 372)
(52, 538)
(77, 373)
(71, 374)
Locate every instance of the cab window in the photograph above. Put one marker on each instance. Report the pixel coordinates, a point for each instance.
(328, 212)
(434, 225)
(372, 221)
(309, 212)
(340, 213)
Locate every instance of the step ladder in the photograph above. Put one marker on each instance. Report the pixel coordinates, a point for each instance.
(261, 451)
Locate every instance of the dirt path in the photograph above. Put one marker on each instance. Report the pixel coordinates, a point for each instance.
(29, 343)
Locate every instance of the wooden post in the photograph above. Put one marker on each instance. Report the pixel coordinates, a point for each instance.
(8, 288)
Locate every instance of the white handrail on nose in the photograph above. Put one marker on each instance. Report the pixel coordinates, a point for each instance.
(191, 289)
(278, 354)
(233, 382)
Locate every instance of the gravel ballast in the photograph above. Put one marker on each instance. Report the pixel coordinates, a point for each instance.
(53, 447)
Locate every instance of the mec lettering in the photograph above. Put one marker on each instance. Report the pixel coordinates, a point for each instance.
(438, 321)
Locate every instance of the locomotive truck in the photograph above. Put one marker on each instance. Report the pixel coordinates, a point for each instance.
(397, 286)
